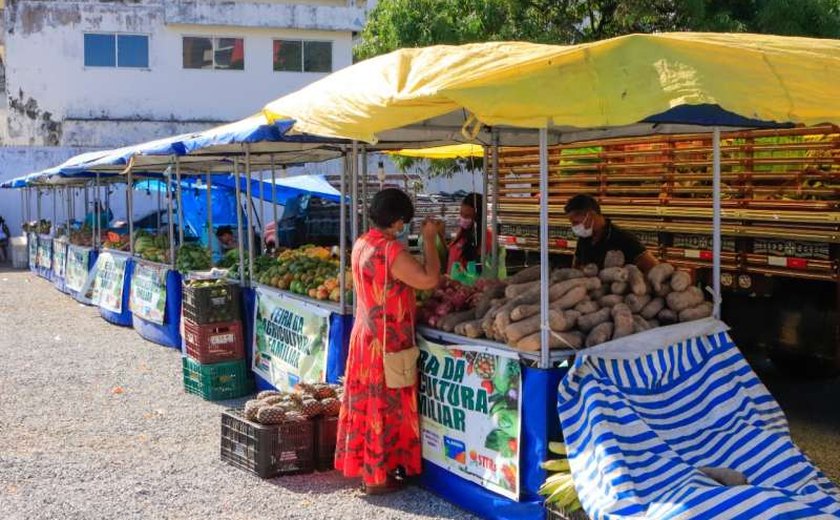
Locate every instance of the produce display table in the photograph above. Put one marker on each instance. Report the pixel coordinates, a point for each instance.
(155, 302)
(297, 338)
(484, 454)
(112, 287)
(78, 274)
(45, 253)
(59, 263)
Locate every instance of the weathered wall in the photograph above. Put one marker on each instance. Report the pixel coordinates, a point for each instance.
(47, 82)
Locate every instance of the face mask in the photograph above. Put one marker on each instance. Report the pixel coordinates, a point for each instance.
(581, 230)
(403, 233)
(465, 222)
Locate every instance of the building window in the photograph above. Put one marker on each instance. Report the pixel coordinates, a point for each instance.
(302, 56)
(214, 53)
(117, 50)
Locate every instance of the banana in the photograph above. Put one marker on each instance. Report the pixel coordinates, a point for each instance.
(558, 448)
(556, 465)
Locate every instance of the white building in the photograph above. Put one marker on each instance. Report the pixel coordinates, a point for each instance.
(87, 74)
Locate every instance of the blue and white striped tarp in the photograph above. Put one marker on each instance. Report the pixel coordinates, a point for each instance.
(641, 417)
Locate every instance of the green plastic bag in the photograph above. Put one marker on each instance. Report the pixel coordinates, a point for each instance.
(466, 276)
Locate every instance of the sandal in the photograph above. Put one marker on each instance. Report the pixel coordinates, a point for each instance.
(390, 486)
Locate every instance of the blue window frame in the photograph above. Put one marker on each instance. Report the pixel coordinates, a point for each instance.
(117, 50)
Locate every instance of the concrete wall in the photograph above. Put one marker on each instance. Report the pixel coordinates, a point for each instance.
(48, 84)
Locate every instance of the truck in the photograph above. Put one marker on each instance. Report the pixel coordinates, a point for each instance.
(780, 253)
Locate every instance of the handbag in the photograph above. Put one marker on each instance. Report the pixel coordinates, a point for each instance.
(400, 367)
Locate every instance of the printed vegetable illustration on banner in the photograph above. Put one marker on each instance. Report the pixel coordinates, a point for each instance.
(59, 258)
(77, 268)
(148, 292)
(108, 285)
(470, 410)
(290, 340)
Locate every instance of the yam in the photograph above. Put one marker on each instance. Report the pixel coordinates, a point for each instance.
(640, 324)
(514, 290)
(520, 312)
(566, 273)
(704, 310)
(664, 291)
(562, 340)
(587, 306)
(597, 294)
(447, 323)
(680, 281)
(667, 316)
(614, 258)
(574, 296)
(679, 301)
(591, 270)
(653, 323)
(485, 302)
(600, 334)
(650, 310)
(619, 288)
(659, 274)
(613, 274)
(571, 318)
(636, 302)
(470, 329)
(611, 300)
(516, 331)
(622, 321)
(529, 274)
(588, 321)
(636, 279)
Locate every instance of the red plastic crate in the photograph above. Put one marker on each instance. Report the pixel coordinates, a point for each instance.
(214, 342)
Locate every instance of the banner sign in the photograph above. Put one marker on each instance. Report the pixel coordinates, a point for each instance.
(148, 292)
(45, 253)
(109, 282)
(76, 272)
(470, 413)
(32, 243)
(291, 340)
(59, 258)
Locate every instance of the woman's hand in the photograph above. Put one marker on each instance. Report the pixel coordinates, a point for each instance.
(429, 230)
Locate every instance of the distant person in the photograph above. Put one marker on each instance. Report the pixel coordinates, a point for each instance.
(226, 238)
(4, 240)
(597, 235)
(105, 216)
(471, 236)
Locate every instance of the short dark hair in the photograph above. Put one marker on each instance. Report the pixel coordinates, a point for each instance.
(582, 203)
(473, 200)
(389, 206)
(224, 230)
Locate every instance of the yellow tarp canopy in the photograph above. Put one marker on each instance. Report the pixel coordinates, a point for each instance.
(610, 83)
(454, 151)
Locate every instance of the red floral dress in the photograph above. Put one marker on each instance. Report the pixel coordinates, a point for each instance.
(379, 427)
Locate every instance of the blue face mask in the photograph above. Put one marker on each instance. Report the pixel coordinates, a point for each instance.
(403, 235)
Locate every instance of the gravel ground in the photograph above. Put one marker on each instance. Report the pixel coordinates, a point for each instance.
(94, 424)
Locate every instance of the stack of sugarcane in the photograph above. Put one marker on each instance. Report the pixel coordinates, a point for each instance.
(559, 488)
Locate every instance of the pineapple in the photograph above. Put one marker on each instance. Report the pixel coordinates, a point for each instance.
(312, 408)
(323, 391)
(332, 406)
(268, 393)
(295, 417)
(252, 407)
(273, 399)
(271, 415)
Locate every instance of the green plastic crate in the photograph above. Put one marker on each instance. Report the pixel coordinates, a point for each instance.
(218, 381)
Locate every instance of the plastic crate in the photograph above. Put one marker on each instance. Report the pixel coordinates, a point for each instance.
(213, 304)
(214, 342)
(267, 450)
(218, 381)
(326, 433)
(553, 513)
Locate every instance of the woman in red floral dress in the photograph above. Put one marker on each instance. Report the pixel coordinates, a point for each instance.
(379, 427)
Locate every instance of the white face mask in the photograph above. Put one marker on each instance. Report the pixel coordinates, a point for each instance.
(465, 223)
(581, 230)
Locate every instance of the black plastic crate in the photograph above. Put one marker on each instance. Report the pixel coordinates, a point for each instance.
(553, 513)
(212, 304)
(267, 450)
(326, 434)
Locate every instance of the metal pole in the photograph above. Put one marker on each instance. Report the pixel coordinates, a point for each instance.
(157, 229)
(180, 201)
(364, 181)
(354, 194)
(249, 221)
(716, 221)
(342, 234)
(484, 191)
(170, 219)
(544, 267)
(69, 192)
(262, 200)
(209, 214)
(38, 203)
(274, 204)
(97, 231)
(240, 247)
(130, 210)
(494, 217)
